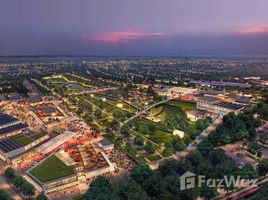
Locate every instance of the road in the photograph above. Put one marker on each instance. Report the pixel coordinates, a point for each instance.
(239, 194)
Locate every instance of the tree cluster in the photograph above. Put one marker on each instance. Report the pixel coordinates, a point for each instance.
(19, 182)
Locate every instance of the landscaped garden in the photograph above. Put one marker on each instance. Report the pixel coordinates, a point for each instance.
(22, 139)
(50, 169)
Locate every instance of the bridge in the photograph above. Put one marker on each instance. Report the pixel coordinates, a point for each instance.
(145, 110)
(93, 91)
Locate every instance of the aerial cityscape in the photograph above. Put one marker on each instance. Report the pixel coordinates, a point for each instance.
(142, 100)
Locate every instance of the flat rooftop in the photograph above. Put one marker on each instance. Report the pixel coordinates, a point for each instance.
(229, 105)
(13, 128)
(51, 169)
(208, 99)
(9, 144)
(6, 119)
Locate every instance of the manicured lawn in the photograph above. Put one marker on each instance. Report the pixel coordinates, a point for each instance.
(160, 137)
(153, 158)
(51, 169)
(22, 139)
(164, 112)
(184, 105)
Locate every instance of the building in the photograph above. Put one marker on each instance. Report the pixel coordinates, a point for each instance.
(106, 145)
(217, 106)
(195, 114)
(10, 126)
(86, 164)
(243, 100)
(35, 100)
(12, 149)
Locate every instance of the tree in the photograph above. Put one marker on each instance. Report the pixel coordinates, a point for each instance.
(187, 194)
(154, 186)
(263, 167)
(28, 189)
(205, 147)
(172, 183)
(41, 196)
(100, 189)
(139, 140)
(178, 145)
(140, 173)
(248, 172)
(10, 173)
(143, 129)
(118, 115)
(4, 195)
(125, 131)
(98, 114)
(152, 128)
(208, 192)
(149, 148)
(129, 189)
(253, 148)
(114, 124)
(217, 156)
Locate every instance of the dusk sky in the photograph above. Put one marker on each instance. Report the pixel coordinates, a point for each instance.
(133, 27)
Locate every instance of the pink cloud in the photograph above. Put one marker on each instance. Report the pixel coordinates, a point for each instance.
(253, 30)
(125, 36)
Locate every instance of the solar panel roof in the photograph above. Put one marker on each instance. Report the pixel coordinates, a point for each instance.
(6, 119)
(9, 144)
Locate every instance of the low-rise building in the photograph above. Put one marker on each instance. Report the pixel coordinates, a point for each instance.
(106, 145)
(10, 126)
(217, 106)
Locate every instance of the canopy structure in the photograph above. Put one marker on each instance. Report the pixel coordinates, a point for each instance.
(55, 142)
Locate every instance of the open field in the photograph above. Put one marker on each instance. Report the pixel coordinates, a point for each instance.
(51, 169)
(161, 137)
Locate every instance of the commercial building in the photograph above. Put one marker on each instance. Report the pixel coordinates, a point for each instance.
(10, 126)
(13, 147)
(195, 114)
(106, 145)
(217, 106)
(86, 164)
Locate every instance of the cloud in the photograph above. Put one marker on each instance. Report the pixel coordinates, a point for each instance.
(125, 36)
(252, 30)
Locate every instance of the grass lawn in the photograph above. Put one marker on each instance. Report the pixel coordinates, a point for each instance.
(153, 158)
(22, 139)
(80, 197)
(164, 112)
(184, 105)
(160, 137)
(51, 169)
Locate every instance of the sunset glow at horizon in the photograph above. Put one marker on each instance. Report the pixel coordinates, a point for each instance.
(119, 27)
(125, 36)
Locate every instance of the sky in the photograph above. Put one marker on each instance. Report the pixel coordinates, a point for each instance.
(134, 27)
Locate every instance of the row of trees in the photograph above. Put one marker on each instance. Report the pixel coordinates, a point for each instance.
(19, 182)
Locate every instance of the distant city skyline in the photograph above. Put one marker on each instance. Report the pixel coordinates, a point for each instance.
(134, 28)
